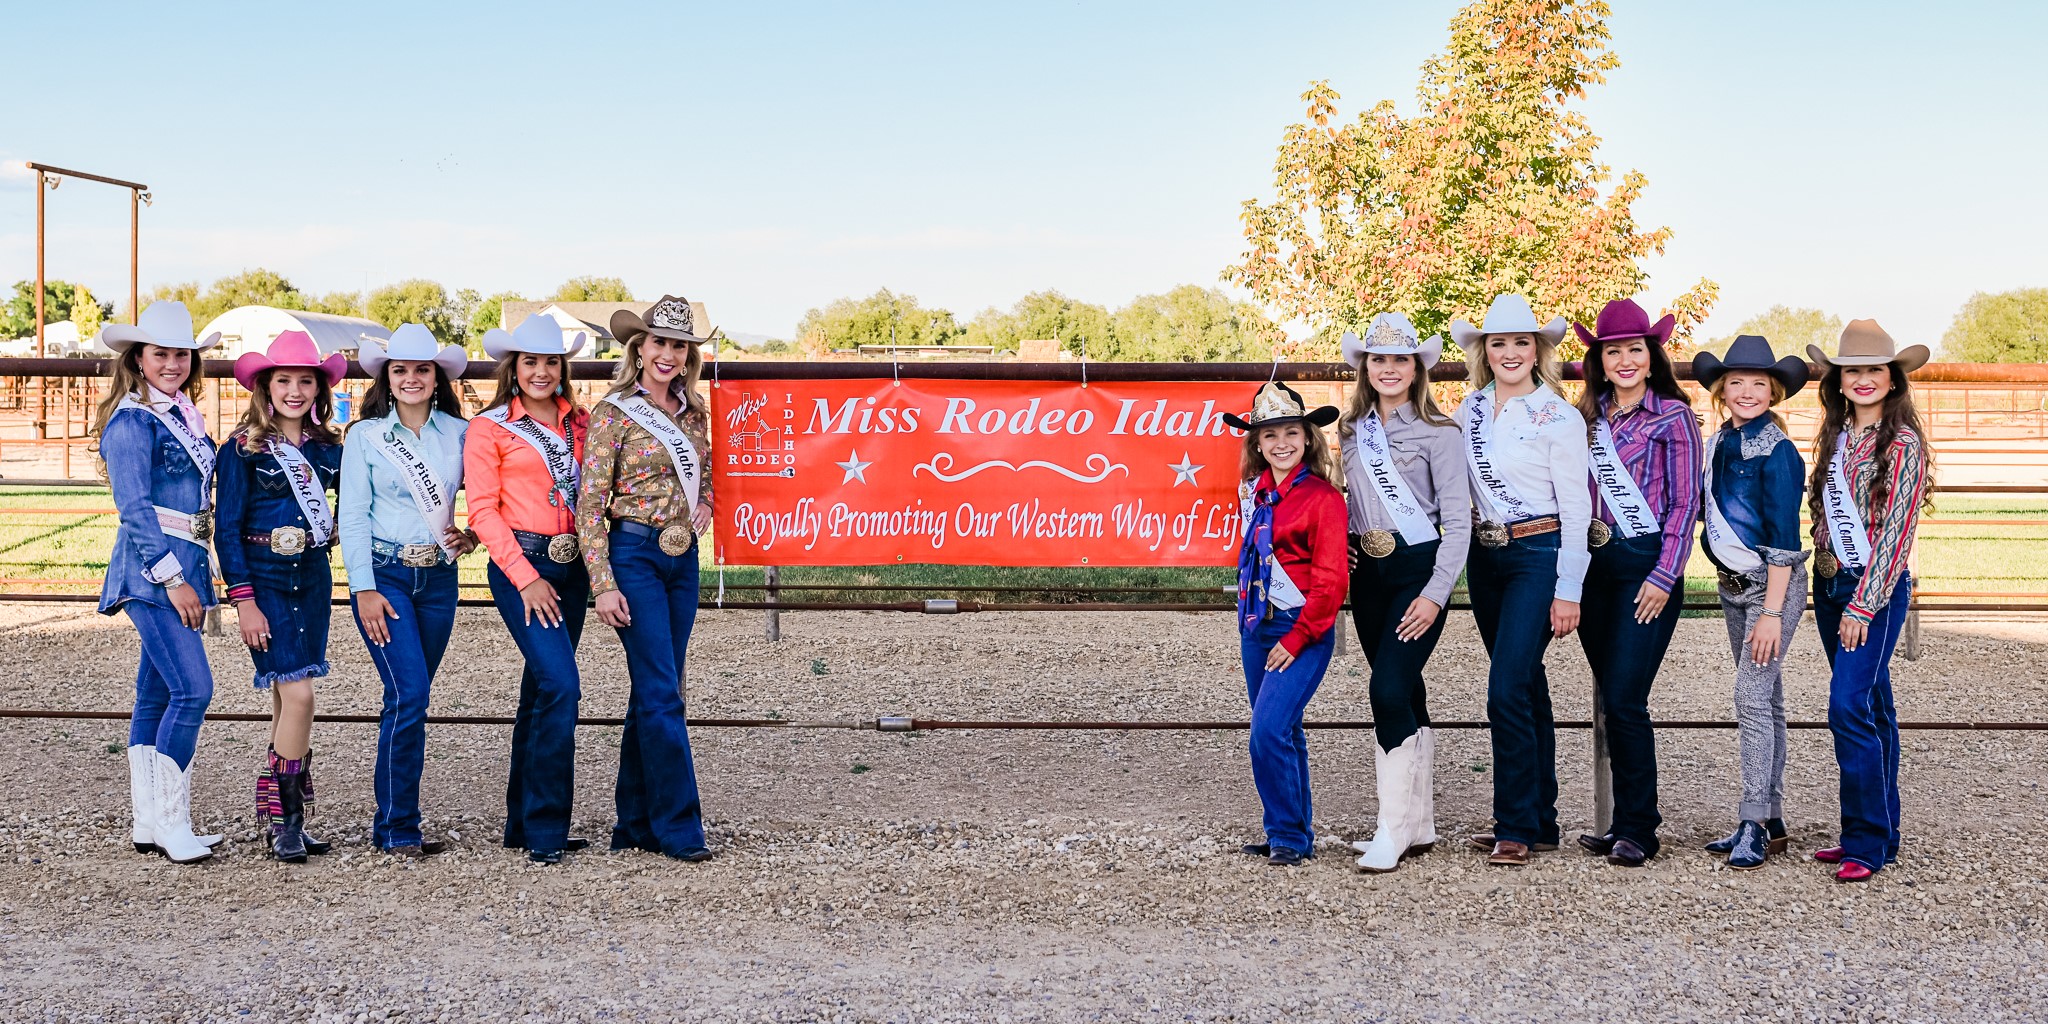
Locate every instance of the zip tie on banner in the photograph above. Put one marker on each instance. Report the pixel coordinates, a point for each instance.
(895, 373)
(1084, 363)
(1275, 374)
(716, 335)
(721, 583)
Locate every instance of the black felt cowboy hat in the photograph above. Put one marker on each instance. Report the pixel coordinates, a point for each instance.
(1277, 404)
(1751, 352)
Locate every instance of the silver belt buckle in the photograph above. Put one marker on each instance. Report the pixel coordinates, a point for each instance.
(1491, 534)
(562, 548)
(202, 525)
(287, 540)
(419, 556)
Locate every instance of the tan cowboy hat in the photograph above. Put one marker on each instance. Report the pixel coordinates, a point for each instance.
(1864, 343)
(671, 317)
(1277, 404)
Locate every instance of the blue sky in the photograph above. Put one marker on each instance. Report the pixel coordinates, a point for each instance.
(1872, 159)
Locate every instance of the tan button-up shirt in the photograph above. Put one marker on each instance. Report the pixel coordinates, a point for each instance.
(1432, 461)
(627, 474)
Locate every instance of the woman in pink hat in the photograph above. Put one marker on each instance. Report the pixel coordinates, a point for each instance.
(276, 531)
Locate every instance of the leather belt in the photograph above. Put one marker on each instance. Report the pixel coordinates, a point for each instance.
(290, 540)
(196, 527)
(412, 556)
(559, 548)
(675, 538)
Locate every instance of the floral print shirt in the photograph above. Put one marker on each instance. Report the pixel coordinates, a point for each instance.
(627, 474)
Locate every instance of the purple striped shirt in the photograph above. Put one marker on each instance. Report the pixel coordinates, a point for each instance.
(1658, 442)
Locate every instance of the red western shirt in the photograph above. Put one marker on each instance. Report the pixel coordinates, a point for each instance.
(1310, 528)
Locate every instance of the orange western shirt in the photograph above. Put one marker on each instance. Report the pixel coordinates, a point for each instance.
(509, 487)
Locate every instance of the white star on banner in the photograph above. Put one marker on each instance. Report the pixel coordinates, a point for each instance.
(854, 467)
(1185, 472)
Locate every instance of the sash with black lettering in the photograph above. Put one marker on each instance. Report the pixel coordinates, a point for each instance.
(1721, 538)
(1493, 487)
(434, 498)
(680, 451)
(197, 448)
(312, 498)
(1617, 487)
(1849, 537)
(557, 453)
(1370, 454)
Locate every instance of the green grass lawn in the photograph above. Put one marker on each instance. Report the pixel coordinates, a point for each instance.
(58, 545)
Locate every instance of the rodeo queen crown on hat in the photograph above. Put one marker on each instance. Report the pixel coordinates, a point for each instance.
(166, 324)
(290, 349)
(412, 342)
(671, 317)
(1391, 334)
(538, 334)
(1276, 405)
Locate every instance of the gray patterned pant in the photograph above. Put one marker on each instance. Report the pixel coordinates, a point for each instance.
(1760, 694)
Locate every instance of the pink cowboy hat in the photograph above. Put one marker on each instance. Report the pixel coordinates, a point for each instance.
(294, 349)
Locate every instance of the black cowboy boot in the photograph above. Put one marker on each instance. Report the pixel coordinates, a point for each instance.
(288, 843)
(316, 847)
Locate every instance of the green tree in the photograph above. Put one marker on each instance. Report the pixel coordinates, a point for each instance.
(490, 312)
(1079, 327)
(848, 322)
(87, 312)
(1495, 186)
(1789, 330)
(258, 287)
(422, 302)
(592, 289)
(61, 301)
(2008, 327)
(338, 304)
(1189, 324)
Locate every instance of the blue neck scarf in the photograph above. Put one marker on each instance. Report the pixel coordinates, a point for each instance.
(1255, 557)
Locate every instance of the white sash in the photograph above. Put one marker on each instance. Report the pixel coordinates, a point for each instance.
(1728, 548)
(1849, 537)
(1370, 454)
(557, 453)
(1281, 593)
(680, 451)
(1494, 489)
(306, 488)
(429, 493)
(196, 447)
(1617, 486)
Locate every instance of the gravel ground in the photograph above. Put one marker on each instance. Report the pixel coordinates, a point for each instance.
(1008, 876)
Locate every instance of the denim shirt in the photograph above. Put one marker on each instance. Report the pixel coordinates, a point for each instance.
(146, 467)
(1760, 485)
(253, 496)
(376, 504)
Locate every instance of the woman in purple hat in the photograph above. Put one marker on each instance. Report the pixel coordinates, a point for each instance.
(276, 533)
(1645, 480)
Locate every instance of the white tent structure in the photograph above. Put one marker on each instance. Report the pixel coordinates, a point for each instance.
(253, 328)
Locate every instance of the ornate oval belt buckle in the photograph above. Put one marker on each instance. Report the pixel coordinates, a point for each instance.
(287, 540)
(1825, 563)
(1599, 533)
(1377, 543)
(202, 525)
(562, 548)
(1491, 534)
(419, 556)
(676, 539)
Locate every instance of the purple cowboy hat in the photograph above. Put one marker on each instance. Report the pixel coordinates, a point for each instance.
(294, 349)
(1621, 320)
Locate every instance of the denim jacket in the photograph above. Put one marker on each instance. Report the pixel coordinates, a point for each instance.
(253, 496)
(146, 467)
(1760, 486)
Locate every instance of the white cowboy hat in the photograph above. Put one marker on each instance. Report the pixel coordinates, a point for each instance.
(1509, 314)
(1392, 334)
(411, 341)
(539, 334)
(165, 323)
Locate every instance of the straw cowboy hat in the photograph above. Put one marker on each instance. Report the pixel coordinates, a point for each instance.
(672, 317)
(1864, 343)
(294, 349)
(1509, 314)
(1623, 320)
(412, 342)
(1751, 352)
(1278, 404)
(539, 334)
(165, 323)
(1391, 334)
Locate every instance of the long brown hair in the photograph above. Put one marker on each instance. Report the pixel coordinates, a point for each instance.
(259, 422)
(1315, 454)
(127, 380)
(693, 371)
(1364, 396)
(1897, 415)
(506, 377)
(1662, 379)
(1717, 394)
(377, 400)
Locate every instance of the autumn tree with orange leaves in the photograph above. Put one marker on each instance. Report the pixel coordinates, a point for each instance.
(1496, 186)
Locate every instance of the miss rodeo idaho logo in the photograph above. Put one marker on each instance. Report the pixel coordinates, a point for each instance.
(758, 441)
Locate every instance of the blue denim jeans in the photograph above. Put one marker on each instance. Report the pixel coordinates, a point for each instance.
(542, 784)
(1511, 590)
(1279, 745)
(657, 787)
(1625, 655)
(295, 593)
(1381, 591)
(425, 602)
(173, 683)
(1862, 717)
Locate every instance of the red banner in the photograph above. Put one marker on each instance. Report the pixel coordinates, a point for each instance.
(867, 472)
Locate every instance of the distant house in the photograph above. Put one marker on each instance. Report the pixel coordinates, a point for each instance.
(592, 318)
(253, 328)
(60, 338)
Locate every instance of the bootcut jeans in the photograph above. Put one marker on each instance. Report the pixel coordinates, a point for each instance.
(1511, 590)
(1279, 745)
(424, 599)
(1624, 655)
(541, 786)
(656, 793)
(1862, 717)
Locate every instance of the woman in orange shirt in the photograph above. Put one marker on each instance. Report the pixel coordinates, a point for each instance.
(520, 467)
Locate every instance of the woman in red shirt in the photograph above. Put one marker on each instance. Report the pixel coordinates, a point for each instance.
(1291, 578)
(520, 467)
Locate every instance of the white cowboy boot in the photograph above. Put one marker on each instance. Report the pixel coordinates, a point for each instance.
(1422, 824)
(174, 813)
(1396, 769)
(142, 794)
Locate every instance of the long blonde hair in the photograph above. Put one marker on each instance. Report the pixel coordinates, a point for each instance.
(259, 421)
(1548, 370)
(127, 380)
(1364, 397)
(1315, 454)
(628, 376)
